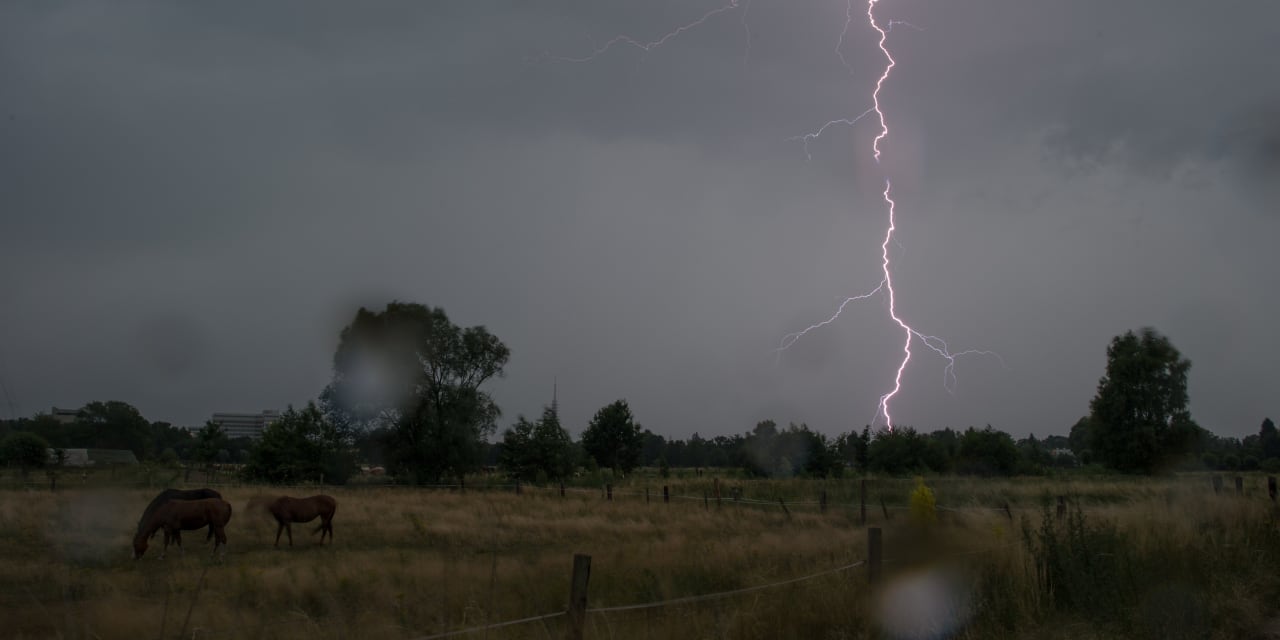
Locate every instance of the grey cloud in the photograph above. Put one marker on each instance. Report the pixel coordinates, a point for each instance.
(196, 198)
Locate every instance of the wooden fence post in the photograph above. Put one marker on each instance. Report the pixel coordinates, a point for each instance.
(862, 512)
(666, 494)
(578, 596)
(716, 483)
(1217, 483)
(561, 489)
(608, 489)
(646, 495)
(883, 508)
(1062, 507)
(784, 508)
(1007, 512)
(518, 491)
(1239, 485)
(873, 555)
(1271, 487)
(822, 501)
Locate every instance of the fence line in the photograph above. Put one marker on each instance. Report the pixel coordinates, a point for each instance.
(496, 625)
(722, 594)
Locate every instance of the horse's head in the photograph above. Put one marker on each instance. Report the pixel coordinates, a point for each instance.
(139, 545)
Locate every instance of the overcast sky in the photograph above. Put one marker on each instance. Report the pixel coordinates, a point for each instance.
(195, 198)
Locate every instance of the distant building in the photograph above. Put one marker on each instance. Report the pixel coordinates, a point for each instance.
(93, 457)
(65, 416)
(245, 425)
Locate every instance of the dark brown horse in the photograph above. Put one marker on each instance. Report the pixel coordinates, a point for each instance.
(177, 494)
(288, 510)
(175, 516)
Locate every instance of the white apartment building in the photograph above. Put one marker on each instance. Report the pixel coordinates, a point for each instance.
(245, 425)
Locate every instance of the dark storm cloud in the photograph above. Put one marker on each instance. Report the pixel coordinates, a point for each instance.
(197, 197)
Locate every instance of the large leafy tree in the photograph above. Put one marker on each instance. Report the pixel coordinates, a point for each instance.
(410, 370)
(24, 450)
(301, 446)
(530, 448)
(115, 425)
(1269, 439)
(210, 439)
(987, 452)
(1139, 419)
(613, 438)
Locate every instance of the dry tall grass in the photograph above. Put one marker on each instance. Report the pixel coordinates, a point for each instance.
(410, 562)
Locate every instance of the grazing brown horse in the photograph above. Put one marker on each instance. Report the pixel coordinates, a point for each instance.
(176, 515)
(287, 510)
(177, 494)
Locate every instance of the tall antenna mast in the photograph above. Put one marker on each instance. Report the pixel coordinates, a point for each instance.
(555, 406)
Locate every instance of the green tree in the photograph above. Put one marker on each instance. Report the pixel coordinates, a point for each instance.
(115, 425)
(301, 446)
(533, 448)
(987, 452)
(1269, 439)
(904, 450)
(210, 439)
(412, 371)
(1139, 416)
(613, 438)
(24, 450)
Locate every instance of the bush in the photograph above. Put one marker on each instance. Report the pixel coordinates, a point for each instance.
(1271, 465)
(924, 508)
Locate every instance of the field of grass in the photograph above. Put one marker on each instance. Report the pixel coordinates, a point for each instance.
(1134, 558)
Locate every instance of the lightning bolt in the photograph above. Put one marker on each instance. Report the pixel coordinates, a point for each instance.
(625, 40)
(933, 343)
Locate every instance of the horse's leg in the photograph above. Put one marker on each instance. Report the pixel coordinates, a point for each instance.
(288, 528)
(220, 541)
(279, 530)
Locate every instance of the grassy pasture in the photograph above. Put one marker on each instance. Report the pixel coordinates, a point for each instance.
(1135, 558)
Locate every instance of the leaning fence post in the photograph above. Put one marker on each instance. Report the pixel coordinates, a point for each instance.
(883, 508)
(1271, 487)
(608, 488)
(1239, 485)
(666, 494)
(873, 555)
(578, 596)
(1007, 512)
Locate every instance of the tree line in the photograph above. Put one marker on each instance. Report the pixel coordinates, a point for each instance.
(407, 393)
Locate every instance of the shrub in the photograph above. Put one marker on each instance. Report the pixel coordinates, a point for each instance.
(924, 508)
